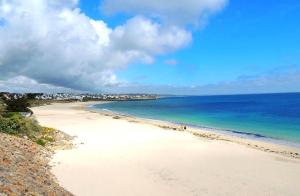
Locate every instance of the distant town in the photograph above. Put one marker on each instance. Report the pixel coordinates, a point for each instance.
(76, 97)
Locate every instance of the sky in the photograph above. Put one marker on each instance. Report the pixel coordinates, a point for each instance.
(191, 47)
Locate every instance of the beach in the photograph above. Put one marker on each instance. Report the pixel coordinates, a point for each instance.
(119, 155)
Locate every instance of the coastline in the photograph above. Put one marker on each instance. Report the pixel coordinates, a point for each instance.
(121, 155)
(269, 145)
(260, 117)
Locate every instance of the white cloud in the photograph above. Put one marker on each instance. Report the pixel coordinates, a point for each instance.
(174, 11)
(146, 38)
(24, 84)
(53, 42)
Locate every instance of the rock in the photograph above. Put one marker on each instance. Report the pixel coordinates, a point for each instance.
(116, 117)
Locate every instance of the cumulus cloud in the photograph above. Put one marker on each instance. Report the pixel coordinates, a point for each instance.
(53, 42)
(141, 34)
(174, 12)
(25, 85)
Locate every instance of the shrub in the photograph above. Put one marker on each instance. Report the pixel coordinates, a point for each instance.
(17, 105)
(48, 138)
(41, 142)
(8, 126)
(12, 122)
(16, 124)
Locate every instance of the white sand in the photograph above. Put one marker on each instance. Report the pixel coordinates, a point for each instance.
(118, 157)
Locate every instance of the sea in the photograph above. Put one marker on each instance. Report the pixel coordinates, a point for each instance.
(274, 117)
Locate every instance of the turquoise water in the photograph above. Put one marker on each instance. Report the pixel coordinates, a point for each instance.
(274, 116)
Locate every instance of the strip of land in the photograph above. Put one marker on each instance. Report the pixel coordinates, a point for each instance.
(117, 155)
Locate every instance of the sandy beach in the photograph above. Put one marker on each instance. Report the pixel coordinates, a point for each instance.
(129, 156)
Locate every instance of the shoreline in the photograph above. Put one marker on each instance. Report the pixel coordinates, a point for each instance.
(273, 120)
(271, 145)
(116, 155)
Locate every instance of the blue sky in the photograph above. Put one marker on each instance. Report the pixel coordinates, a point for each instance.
(244, 39)
(248, 46)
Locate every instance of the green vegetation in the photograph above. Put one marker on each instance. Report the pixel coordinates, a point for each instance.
(17, 105)
(41, 142)
(14, 123)
(2, 106)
